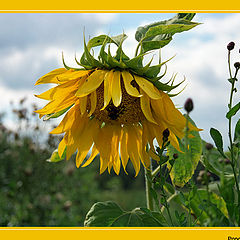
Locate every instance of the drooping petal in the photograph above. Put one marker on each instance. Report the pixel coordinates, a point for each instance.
(147, 87)
(91, 83)
(83, 104)
(91, 158)
(107, 89)
(146, 108)
(123, 148)
(93, 100)
(127, 79)
(115, 149)
(62, 145)
(133, 149)
(67, 121)
(116, 89)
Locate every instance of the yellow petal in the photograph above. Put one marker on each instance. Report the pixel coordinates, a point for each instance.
(93, 100)
(51, 76)
(127, 79)
(91, 158)
(116, 89)
(91, 83)
(146, 108)
(67, 121)
(60, 91)
(133, 149)
(58, 105)
(123, 148)
(61, 146)
(80, 157)
(83, 104)
(107, 88)
(103, 164)
(147, 87)
(115, 149)
(71, 75)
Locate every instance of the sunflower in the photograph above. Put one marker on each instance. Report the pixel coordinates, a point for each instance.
(112, 108)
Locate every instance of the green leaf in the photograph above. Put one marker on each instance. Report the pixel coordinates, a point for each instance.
(217, 138)
(184, 167)
(155, 44)
(237, 132)
(159, 34)
(209, 208)
(56, 115)
(55, 157)
(214, 162)
(99, 40)
(109, 214)
(233, 111)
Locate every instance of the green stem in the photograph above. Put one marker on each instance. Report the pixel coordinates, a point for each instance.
(148, 186)
(233, 79)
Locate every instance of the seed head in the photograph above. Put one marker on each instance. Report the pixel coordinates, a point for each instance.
(230, 46)
(175, 155)
(209, 146)
(188, 106)
(237, 64)
(166, 134)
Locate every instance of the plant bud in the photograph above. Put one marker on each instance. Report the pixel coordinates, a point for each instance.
(209, 146)
(175, 155)
(166, 134)
(188, 106)
(230, 46)
(227, 161)
(237, 64)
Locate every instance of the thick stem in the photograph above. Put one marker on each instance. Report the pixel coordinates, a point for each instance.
(148, 186)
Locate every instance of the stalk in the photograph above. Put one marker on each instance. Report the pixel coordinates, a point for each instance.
(148, 186)
(233, 80)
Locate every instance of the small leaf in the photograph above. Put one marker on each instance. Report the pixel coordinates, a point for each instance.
(237, 131)
(233, 111)
(55, 157)
(56, 115)
(99, 40)
(217, 138)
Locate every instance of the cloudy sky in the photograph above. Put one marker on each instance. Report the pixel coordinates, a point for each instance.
(31, 45)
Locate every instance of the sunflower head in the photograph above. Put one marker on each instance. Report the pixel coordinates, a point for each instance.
(113, 105)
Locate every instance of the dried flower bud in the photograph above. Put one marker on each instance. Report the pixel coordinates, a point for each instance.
(230, 46)
(227, 161)
(237, 64)
(175, 155)
(166, 134)
(209, 146)
(188, 106)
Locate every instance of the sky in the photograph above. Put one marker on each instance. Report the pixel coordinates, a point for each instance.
(31, 45)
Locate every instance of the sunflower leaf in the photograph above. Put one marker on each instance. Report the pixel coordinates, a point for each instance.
(184, 167)
(99, 40)
(55, 156)
(159, 34)
(109, 214)
(90, 59)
